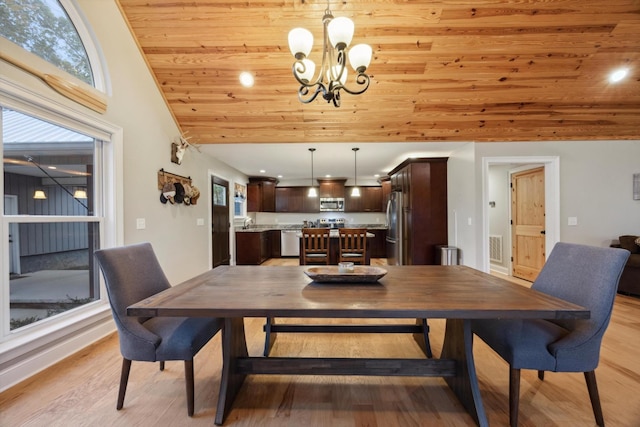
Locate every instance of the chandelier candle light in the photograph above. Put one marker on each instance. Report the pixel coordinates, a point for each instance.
(332, 77)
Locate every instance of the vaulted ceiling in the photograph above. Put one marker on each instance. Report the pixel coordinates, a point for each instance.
(448, 70)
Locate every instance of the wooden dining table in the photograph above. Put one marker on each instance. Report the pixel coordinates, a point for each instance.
(455, 293)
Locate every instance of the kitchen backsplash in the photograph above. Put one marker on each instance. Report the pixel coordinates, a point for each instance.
(285, 219)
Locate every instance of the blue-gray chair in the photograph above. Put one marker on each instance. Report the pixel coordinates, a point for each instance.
(133, 273)
(584, 275)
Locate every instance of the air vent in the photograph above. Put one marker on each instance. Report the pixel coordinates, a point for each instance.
(495, 248)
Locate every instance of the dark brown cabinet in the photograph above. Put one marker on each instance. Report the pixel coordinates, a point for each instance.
(331, 188)
(377, 244)
(385, 184)
(255, 247)
(370, 200)
(294, 199)
(261, 194)
(423, 183)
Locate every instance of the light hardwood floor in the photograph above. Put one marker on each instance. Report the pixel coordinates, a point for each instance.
(82, 390)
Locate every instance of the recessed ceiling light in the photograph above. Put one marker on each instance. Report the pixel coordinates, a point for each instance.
(279, 176)
(52, 167)
(376, 175)
(262, 171)
(246, 79)
(618, 75)
(327, 176)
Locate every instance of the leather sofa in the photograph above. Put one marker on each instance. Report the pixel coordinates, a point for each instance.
(630, 279)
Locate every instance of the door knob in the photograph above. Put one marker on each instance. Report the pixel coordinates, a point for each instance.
(543, 232)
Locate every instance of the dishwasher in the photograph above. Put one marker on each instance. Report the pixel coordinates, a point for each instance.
(290, 243)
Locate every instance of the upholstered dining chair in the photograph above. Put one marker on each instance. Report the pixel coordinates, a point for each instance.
(353, 245)
(315, 245)
(133, 273)
(584, 275)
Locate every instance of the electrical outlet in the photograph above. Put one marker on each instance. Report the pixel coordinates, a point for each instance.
(140, 224)
(572, 220)
(200, 221)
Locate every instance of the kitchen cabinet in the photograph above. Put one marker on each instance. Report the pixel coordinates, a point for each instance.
(294, 199)
(255, 247)
(261, 194)
(275, 243)
(385, 184)
(331, 188)
(423, 183)
(377, 245)
(370, 200)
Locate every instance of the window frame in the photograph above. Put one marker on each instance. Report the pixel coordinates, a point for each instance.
(108, 213)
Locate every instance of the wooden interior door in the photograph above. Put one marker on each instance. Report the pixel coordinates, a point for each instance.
(220, 224)
(527, 223)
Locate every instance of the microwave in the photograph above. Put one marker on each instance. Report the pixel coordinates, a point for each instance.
(331, 204)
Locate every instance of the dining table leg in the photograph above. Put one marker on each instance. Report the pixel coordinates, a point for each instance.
(234, 345)
(458, 345)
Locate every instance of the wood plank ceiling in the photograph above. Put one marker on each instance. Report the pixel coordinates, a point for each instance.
(449, 70)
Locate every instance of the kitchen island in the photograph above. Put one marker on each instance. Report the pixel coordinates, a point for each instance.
(334, 247)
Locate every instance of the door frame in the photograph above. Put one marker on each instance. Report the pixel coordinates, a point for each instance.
(551, 193)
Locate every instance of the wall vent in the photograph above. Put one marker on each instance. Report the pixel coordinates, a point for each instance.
(495, 249)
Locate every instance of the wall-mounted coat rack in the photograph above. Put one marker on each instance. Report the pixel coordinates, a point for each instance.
(164, 177)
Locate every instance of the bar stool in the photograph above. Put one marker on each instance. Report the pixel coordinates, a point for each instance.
(353, 245)
(315, 246)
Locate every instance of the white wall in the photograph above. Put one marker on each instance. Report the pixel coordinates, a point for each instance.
(462, 192)
(137, 105)
(596, 179)
(499, 214)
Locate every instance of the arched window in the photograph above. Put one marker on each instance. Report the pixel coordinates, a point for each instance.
(56, 31)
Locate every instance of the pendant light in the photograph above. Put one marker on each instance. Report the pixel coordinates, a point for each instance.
(39, 195)
(312, 190)
(355, 191)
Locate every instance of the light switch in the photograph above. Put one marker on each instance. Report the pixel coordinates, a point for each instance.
(200, 221)
(140, 224)
(572, 220)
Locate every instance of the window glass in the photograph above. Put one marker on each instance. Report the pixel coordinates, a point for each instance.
(239, 199)
(48, 167)
(49, 196)
(43, 28)
(219, 195)
(50, 269)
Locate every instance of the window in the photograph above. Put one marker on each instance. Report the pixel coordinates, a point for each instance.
(43, 28)
(49, 207)
(239, 199)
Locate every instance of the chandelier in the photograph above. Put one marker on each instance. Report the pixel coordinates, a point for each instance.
(332, 76)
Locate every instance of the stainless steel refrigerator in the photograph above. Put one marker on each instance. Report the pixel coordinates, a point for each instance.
(394, 228)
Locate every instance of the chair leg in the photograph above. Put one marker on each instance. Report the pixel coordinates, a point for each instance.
(162, 365)
(592, 386)
(124, 379)
(541, 375)
(514, 395)
(188, 377)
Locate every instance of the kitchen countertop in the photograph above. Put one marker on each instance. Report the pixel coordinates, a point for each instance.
(298, 227)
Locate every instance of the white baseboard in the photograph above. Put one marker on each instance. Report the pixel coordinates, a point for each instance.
(499, 269)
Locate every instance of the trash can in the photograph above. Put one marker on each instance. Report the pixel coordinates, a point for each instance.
(448, 255)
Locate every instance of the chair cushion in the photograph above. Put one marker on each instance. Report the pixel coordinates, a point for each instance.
(522, 343)
(182, 338)
(628, 242)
